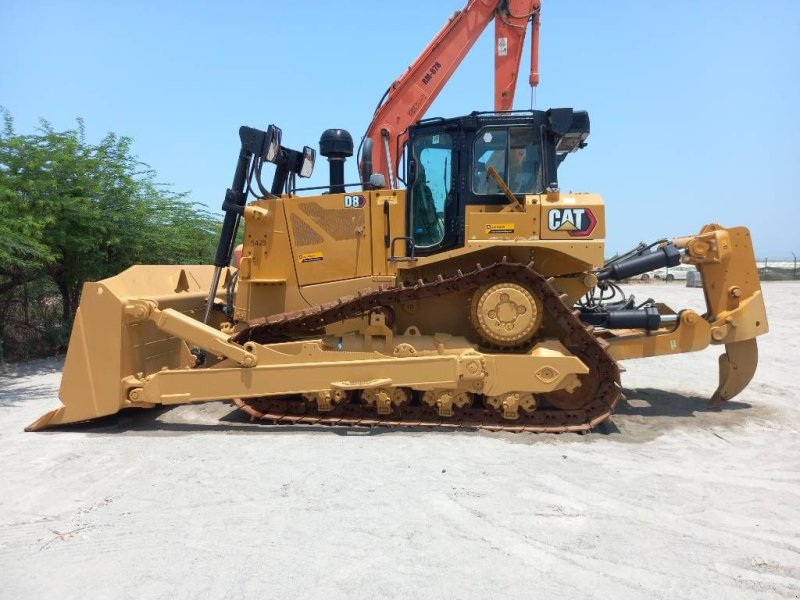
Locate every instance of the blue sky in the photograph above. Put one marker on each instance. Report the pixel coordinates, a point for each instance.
(694, 104)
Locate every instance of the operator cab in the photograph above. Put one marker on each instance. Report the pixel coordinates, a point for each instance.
(448, 163)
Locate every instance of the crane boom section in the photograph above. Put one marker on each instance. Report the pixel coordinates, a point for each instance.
(410, 96)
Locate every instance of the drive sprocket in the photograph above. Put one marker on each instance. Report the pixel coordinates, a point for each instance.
(505, 314)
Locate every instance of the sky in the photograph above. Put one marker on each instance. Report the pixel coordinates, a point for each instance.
(693, 104)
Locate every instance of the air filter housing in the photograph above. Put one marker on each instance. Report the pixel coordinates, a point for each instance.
(336, 145)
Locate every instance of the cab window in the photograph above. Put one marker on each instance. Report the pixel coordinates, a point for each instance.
(491, 148)
(431, 187)
(514, 154)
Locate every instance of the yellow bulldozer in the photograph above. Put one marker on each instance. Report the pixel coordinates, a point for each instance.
(477, 295)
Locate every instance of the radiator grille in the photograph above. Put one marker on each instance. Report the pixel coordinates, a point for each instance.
(303, 234)
(339, 223)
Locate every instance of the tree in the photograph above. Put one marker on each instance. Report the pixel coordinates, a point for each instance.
(72, 211)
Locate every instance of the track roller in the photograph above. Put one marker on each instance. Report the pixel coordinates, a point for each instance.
(326, 400)
(385, 399)
(509, 404)
(445, 400)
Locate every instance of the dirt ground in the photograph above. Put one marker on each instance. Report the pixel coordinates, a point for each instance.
(668, 501)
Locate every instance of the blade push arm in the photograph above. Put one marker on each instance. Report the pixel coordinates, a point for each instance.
(411, 95)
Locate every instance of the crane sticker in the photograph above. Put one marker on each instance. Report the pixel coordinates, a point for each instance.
(578, 222)
(502, 46)
(354, 201)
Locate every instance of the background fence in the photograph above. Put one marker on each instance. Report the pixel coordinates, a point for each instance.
(778, 269)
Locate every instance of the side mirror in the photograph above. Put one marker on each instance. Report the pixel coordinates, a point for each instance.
(307, 167)
(273, 143)
(366, 160)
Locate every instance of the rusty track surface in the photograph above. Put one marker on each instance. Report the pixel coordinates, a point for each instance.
(576, 336)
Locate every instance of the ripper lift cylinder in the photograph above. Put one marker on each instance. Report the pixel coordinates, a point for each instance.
(665, 256)
(646, 318)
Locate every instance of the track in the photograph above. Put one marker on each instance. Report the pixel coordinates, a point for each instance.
(577, 337)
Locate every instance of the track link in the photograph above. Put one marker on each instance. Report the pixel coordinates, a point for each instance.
(576, 336)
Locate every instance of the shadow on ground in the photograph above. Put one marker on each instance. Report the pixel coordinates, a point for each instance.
(647, 413)
(162, 421)
(13, 397)
(651, 402)
(30, 368)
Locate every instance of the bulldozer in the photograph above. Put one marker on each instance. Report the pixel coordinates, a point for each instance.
(477, 294)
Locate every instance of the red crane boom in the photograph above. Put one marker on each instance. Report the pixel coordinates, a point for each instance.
(408, 98)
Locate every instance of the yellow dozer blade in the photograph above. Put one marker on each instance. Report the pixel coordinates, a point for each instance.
(111, 339)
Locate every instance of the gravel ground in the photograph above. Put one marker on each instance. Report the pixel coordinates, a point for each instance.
(668, 501)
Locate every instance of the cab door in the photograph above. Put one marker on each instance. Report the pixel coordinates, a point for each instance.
(432, 205)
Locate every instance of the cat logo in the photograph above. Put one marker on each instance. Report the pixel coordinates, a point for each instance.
(354, 201)
(578, 222)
